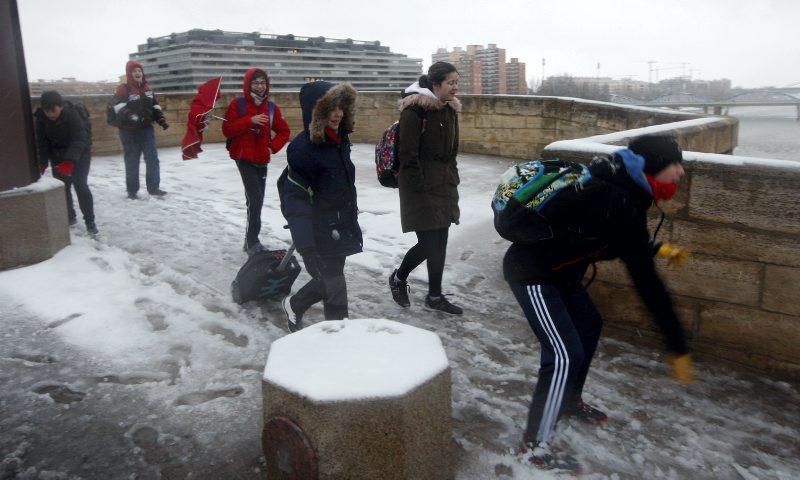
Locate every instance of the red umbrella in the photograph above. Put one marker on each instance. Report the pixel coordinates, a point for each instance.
(199, 117)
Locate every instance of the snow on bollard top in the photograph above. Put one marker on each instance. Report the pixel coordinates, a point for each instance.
(355, 359)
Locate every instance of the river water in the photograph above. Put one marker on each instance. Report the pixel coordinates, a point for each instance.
(768, 132)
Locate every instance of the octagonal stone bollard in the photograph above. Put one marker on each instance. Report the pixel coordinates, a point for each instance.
(358, 399)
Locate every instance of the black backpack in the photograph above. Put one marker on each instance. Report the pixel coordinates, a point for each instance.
(83, 113)
(266, 275)
(241, 105)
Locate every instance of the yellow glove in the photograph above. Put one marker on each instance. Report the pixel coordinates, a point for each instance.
(675, 255)
(682, 368)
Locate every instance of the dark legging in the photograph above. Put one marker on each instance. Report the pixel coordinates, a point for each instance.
(431, 246)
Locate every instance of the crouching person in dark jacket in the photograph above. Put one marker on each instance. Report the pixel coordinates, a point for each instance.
(605, 219)
(318, 199)
(64, 140)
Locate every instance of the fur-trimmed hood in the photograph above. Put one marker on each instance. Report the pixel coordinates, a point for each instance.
(425, 99)
(318, 99)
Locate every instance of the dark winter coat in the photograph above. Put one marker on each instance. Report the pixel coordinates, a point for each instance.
(607, 219)
(319, 194)
(250, 142)
(134, 103)
(65, 138)
(428, 178)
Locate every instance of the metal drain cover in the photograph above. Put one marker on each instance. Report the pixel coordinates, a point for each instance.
(288, 453)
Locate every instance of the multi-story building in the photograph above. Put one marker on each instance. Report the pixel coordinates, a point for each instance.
(484, 69)
(515, 78)
(71, 86)
(493, 67)
(181, 61)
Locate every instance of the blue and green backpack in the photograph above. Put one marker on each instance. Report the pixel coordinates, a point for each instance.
(523, 192)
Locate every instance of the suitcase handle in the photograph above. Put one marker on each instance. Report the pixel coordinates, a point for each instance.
(286, 258)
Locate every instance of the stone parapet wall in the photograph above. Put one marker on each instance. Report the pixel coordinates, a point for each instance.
(739, 293)
(508, 126)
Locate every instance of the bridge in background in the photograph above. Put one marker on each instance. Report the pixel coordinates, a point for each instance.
(774, 97)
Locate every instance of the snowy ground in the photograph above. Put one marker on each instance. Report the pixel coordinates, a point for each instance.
(124, 356)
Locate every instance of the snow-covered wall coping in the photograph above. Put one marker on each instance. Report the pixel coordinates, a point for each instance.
(355, 359)
(42, 185)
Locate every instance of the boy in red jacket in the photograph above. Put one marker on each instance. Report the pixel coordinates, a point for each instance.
(248, 124)
(135, 109)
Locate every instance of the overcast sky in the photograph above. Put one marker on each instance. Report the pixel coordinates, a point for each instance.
(751, 42)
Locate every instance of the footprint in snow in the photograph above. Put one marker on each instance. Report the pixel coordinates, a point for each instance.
(227, 334)
(154, 312)
(60, 393)
(102, 264)
(33, 358)
(196, 398)
(64, 320)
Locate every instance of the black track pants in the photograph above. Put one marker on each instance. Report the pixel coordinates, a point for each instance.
(568, 327)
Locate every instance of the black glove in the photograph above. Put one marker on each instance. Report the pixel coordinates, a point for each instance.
(163, 122)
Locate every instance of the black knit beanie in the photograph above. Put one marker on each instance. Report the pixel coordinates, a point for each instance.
(659, 151)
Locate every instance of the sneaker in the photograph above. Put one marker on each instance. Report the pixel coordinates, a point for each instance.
(293, 321)
(133, 195)
(399, 290)
(91, 228)
(441, 303)
(157, 192)
(585, 413)
(546, 457)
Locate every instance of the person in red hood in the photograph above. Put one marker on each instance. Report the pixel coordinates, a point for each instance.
(249, 123)
(133, 109)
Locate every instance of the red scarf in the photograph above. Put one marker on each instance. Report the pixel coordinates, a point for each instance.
(333, 135)
(661, 190)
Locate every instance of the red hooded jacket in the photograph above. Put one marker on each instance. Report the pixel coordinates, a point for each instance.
(135, 103)
(251, 142)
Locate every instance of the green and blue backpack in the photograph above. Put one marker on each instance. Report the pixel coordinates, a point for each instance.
(523, 192)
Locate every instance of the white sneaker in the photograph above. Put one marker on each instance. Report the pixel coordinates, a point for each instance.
(292, 322)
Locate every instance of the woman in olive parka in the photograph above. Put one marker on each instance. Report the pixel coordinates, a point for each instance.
(428, 179)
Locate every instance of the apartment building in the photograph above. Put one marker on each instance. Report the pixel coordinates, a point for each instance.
(181, 61)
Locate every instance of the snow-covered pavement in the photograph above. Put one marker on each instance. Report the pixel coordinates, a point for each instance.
(125, 357)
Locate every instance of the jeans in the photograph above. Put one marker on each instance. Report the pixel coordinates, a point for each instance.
(79, 180)
(135, 143)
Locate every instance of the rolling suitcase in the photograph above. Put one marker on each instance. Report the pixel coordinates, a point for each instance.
(266, 275)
